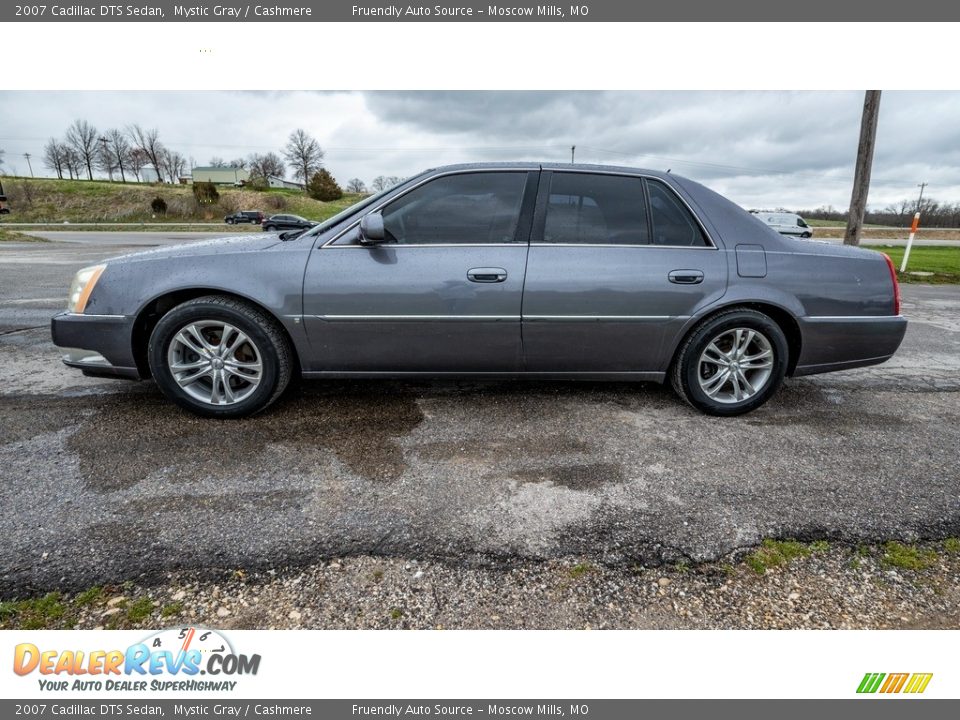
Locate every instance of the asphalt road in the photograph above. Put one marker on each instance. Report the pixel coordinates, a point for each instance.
(104, 481)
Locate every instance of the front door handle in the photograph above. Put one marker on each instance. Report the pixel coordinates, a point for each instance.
(686, 277)
(487, 275)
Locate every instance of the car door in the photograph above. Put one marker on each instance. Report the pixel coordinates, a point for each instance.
(617, 264)
(442, 294)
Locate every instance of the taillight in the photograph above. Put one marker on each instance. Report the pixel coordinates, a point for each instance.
(896, 284)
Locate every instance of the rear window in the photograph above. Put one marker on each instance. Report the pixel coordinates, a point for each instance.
(673, 224)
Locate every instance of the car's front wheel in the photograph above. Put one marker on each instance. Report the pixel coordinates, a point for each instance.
(229, 221)
(220, 357)
(731, 363)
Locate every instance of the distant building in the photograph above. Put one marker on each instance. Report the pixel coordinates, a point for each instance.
(221, 175)
(279, 182)
(149, 175)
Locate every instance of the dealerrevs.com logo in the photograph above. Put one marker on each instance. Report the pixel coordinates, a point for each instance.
(910, 683)
(178, 659)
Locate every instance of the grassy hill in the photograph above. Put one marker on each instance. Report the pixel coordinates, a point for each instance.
(58, 201)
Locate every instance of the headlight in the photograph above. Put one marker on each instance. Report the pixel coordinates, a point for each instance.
(82, 286)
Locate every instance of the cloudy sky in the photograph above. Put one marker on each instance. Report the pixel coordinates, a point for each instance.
(761, 149)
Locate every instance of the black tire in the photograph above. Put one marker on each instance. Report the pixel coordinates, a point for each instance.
(276, 355)
(686, 371)
(229, 221)
(268, 228)
(807, 235)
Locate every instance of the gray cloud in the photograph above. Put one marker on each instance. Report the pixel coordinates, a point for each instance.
(793, 149)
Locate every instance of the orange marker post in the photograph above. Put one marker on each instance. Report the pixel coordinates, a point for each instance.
(913, 232)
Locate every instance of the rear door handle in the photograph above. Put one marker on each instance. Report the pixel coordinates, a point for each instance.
(686, 277)
(487, 275)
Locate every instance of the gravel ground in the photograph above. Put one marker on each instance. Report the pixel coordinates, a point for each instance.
(830, 587)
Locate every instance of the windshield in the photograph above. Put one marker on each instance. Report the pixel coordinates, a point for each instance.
(357, 207)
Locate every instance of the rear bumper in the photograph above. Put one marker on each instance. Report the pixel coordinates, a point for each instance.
(99, 345)
(842, 343)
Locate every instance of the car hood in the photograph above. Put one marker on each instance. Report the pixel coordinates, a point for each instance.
(236, 244)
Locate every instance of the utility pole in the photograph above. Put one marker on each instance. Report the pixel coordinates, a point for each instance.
(573, 149)
(28, 156)
(861, 180)
(920, 199)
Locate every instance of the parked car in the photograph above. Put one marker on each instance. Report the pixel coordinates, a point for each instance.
(254, 217)
(287, 222)
(4, 210)
(786, 223)
(503, 270)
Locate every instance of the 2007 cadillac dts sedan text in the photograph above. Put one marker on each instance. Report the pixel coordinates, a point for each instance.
(568, 271)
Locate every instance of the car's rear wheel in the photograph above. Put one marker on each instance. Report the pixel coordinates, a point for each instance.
(731, 363)
(220, 357)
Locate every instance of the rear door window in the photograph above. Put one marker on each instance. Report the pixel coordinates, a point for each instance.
(587, 208)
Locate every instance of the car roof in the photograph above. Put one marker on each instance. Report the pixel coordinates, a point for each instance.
(534, 165)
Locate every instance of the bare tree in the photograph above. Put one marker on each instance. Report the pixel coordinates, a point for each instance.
(117, 152)
(263, 166)
(238, 163)
(2, 153)
(83, 140)
(217, 162)
(54, 155)
(137, 160)
(356, 185)
(380, 182)
(73, 162)
(173, 164)
(304, 154)
(148, 141)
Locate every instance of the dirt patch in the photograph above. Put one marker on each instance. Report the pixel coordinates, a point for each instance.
(575, 477)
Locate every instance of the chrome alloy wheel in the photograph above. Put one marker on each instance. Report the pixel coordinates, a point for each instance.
(735, 366)
(214, 362)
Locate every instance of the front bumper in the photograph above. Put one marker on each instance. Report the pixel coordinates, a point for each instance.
(99, 345)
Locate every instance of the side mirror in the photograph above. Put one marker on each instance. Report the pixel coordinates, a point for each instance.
(371, 229)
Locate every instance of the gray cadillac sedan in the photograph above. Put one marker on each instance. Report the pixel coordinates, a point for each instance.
(514, 269)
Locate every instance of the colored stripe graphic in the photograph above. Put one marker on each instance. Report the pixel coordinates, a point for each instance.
(870, 682)
(918, 683)
(894, 683)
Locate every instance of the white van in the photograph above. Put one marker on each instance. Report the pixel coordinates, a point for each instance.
(786, 223)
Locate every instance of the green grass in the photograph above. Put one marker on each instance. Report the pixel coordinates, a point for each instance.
(139, 610)
(774, 553)
(49, 201)
(12, 236)
(952, 545)
(41, 613)
(581, 569)
(943, 262)
(837, 224)
(171, 610)
(907, 557)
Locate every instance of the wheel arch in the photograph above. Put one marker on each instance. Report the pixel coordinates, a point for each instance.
(785, 320)
(150, 313)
